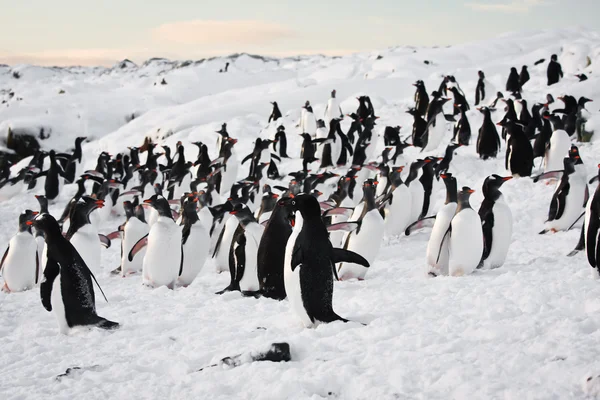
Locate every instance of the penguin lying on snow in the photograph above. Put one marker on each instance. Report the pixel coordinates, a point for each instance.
(67, 288)
(20, 262)
(310, 264)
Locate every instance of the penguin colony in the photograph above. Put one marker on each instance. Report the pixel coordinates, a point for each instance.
(293, 238)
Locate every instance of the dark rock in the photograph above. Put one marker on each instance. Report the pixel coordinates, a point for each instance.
(24, 144)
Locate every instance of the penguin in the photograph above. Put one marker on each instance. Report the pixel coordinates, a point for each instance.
(591, 229)
(20, 265)
(567, 200)
(511, 115)
(83, 235)
(275, 114)
(460, 102)
(163, 261)
(421, 97)
(322, 133)
(39, 235)
(496, 221)
(557, 150)
(466, 237)
(66, 288)
(524, 116)
(523, 76)
(134, 229)
(267, 204)
(438, 250)
(462, 128)
(419, 127)
(271, 251)
(228, 174)
(54, 178)
(582, 77)
(444, 164)
(333, 109)
(519, 153)
(512, 84)
(309, 265)
(365, 108)
(417, 192)
(281, 141)
(366, 239)
(195, 241)
(73, 168)
(243, 253)
(480, 88)
(308, 122)
(221, 139)
(398, 204)
(542, 140)
(308, 151)
(426, 180)
(223, 243)
(555, 72)
(436, 123)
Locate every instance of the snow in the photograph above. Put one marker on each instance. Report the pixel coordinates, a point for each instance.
(528, 330)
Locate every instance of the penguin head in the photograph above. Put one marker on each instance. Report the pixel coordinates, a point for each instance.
(569, 165)
(26, 220)
(465, 194)
(48, 225)
(554, 57)
(333, 93)
(481, 75)
(320, 123)
(582, 101)
(448, 178)
(243, 214)
(492, 184)
(306, 205)
(160, 204)
(80, 139)
(128, 207)
(574, 154)
(43, 201)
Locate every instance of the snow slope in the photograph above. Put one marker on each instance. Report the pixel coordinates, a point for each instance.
(530, 330)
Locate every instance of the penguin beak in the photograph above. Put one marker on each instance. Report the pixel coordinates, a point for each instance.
(233, 212)
(30, 223)
(508, 178)
(443, 176)
(147, 201)
(470, 191)
(34, 213)
(100, 203)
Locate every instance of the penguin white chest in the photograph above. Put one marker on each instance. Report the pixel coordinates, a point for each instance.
(133, 232)
(222, 256)
(195, 252)
(163, 254)
(19, 270)
(249, 282)
(365, 242)
(87, 244)
(293, 288)
(417, 193)
(501, 235)
(399, 212)
(466, 243)
(58, 306)
(438, 251)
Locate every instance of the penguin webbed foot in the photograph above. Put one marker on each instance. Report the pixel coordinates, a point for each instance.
(107, 325)
(255, 294)
(230, 288)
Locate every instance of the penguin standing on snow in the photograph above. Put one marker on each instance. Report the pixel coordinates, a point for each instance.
(523, 76)
(134, 229)
(195, 241)
(67, 287)
(438, 250)
(243, 253)
(496, 220)
(310, 264)
(591, 229)
(275, 114)
(466, 237)
(398, 204)
(462, 129)
(519, 153)
(421, 97)
(555, 72)
(271, 251)
(480, 88)
(20, 263)
(163, 261)
(333, 109)
(281, 141)
(366, 239)
(512, 84)
(54, 178)
(567, 200)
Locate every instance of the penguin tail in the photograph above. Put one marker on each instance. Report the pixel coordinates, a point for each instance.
(106, 324)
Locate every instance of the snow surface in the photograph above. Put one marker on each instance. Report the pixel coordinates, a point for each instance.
(529, 330)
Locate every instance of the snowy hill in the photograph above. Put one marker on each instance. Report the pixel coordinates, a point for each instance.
(529, 330)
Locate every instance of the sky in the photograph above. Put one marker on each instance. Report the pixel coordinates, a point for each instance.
(76, 32)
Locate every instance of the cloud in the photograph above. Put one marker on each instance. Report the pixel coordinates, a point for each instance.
(215, 33)
(514, 6)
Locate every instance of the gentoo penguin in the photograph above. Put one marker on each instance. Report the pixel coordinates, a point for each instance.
(591, 229)
(398, 204)
(54, 178)
(555, 72)
(83, 235)
(224, 240)
(309, 265)
(134, 229)
(444, 165)
(39, 235)
(281, 141)
(308, 122)
(496, 221)
(582, 77)
(419, 128)
(20, 262)
(460, 102)
(271, 251)
(421, 97)
(512, 84)
(480, 88)
(275, 114)
(466, 237)
(436, 123)
(523, 76)
(462, 128)
(438, 250)
(195, 241)
(524, 116)
(163, 261)
(67, 287)
(243, 253)
(366, 239)
(417, 192)
(307, 152)
(567, 200)
(557, 150)
(73, 169)
(519, 153)
(333, 109)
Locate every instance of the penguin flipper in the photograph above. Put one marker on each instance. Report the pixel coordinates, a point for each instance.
(50, 273)
(181, 263)
(446, 237)
(341, 255)
(137, 247)
(4, 257)
(580, 245)
(548, 175)
(487, 227)
(275, 156)
(576, 221)
(343, 226)
(104, 240)
(297, 257)
(422, 223)
(37, 267)
(592, 235)
(248, 157)
(114, 235)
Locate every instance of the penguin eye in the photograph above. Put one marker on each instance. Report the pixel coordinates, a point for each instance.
(293, 202)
